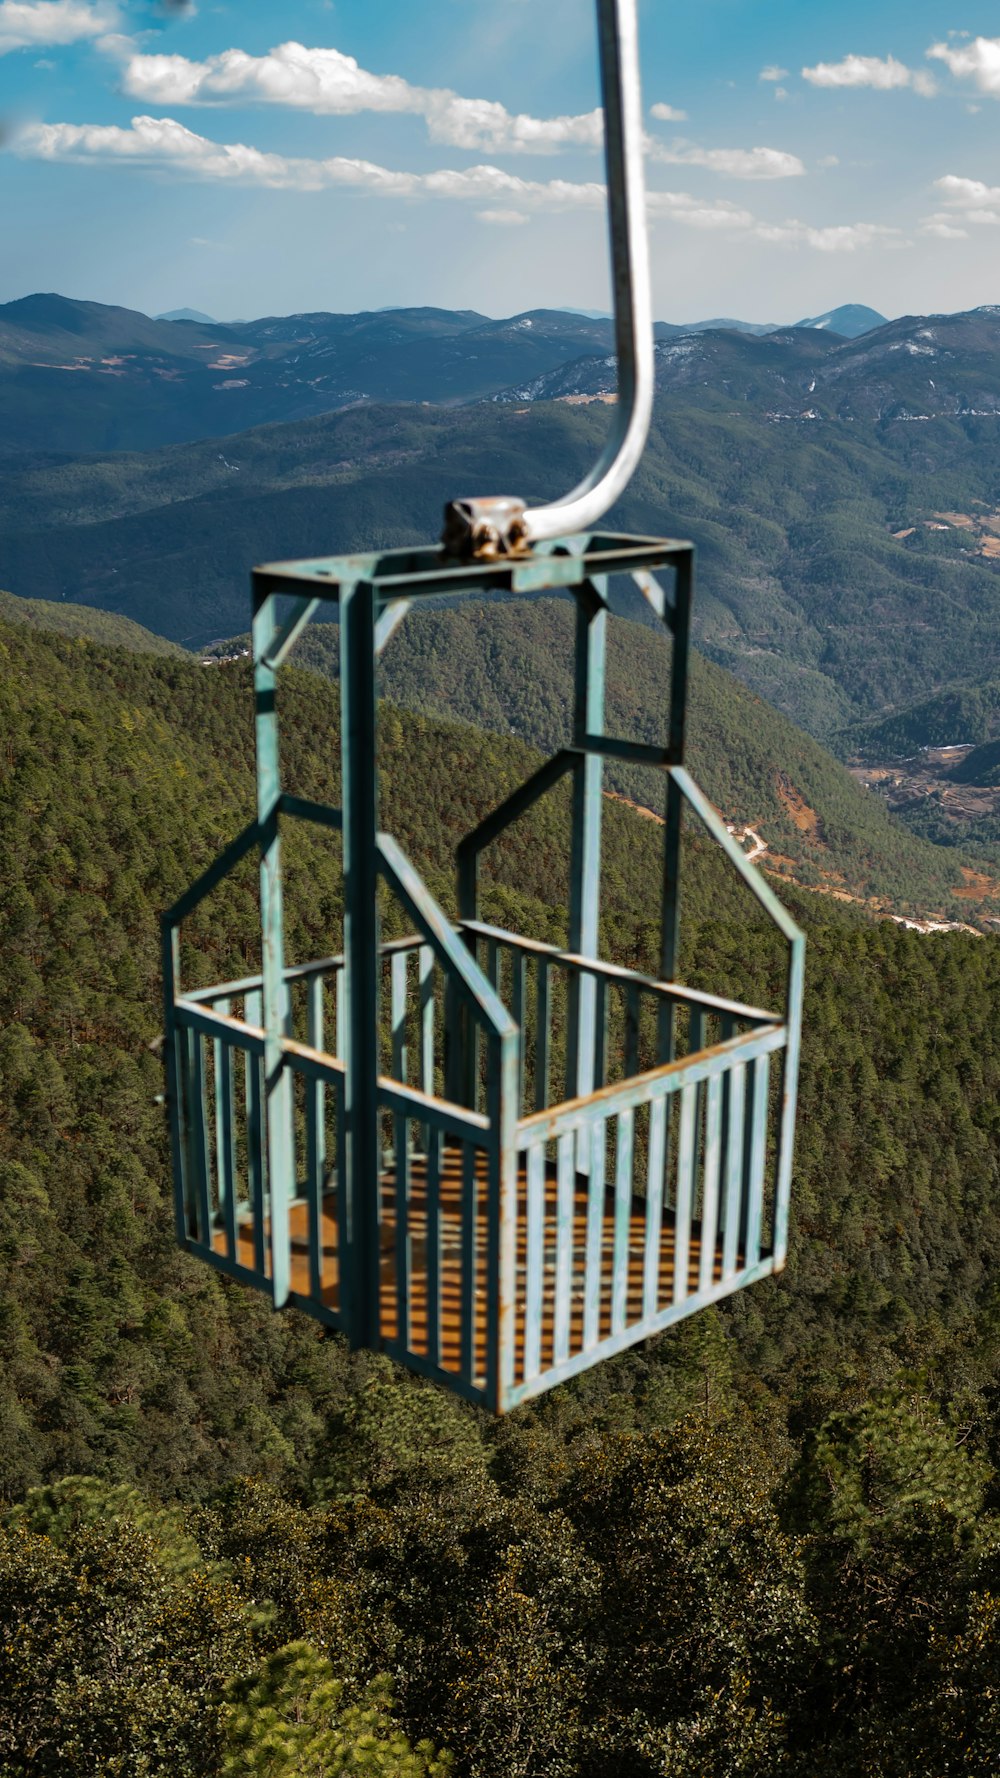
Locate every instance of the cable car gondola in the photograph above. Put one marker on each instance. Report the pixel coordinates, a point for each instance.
(380, 1138)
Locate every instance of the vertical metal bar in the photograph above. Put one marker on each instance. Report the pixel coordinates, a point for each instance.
(343, 1225)
(426, 968)
(600, 1032)
(790, 1080)
(727, 1029)
(593, 1270)
(759, 1071)
(671, 915)
(624, 1142)
(495, 1332)
(502, 1101)
(543, 1033)
(666, 1049)
(565, 1193)
(710, 1193)
(585, 854)
(397, 1011)
(687, 1155)
(696, 1043)
(517, 1004)
(654, 1204)
(737, 1090)
(398, 972)
(315, 1138)
(358, 614)
(434, 1246)
(535, 1260)
(256, 1155)
(467, 1312)
(279, 1134)
(680, 624)
(225, 1137)
(478, 1043)
(403, 1244)
(340, 994)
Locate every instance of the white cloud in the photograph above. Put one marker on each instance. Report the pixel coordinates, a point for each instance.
(840, 238)
(944, 228)
(667, 113)
(327, 82)
(696, 213)
(504, 199)
(978, 61)
(165, 143)
(871, 71)
(781, 92)
(970, 200)
(503, 218)
(737, 163)
(968, 195)
(829, 160)
(773, 72)
(26, 23)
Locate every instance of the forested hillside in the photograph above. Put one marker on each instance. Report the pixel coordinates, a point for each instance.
(765, 1542)
(84, 376)
(507, 666)
(805, 591)
(960, 713)
(86, 622)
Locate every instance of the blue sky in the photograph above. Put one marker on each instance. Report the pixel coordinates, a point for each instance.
(252, 158)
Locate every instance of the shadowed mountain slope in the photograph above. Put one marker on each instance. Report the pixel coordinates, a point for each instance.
(819, 583)
(507, 666)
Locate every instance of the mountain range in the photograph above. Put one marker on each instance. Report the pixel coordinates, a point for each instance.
(81, 376)
(917, 368)
(843, 496)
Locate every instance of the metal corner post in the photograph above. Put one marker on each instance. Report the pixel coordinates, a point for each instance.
(679, 623)
(585, 855)
(277, 1080)
(789, 1097)
(358, 618)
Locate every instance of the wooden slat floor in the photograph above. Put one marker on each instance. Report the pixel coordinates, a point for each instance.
(451, 1274)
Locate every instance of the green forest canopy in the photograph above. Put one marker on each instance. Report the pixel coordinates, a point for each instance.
(764, 1542)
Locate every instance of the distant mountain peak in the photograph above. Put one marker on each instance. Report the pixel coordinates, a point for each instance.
(187, 315)
(850, 321)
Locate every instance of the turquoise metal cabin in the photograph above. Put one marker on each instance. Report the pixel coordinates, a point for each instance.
(378, 1138)
(383, 1138)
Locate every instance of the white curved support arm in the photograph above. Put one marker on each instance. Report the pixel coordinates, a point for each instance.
(621, 93)
(501, 525)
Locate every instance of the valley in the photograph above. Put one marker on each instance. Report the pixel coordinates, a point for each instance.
(931, 775)
(813, 538)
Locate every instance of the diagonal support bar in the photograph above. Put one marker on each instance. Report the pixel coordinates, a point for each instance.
(390, 618)
(285, 639)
